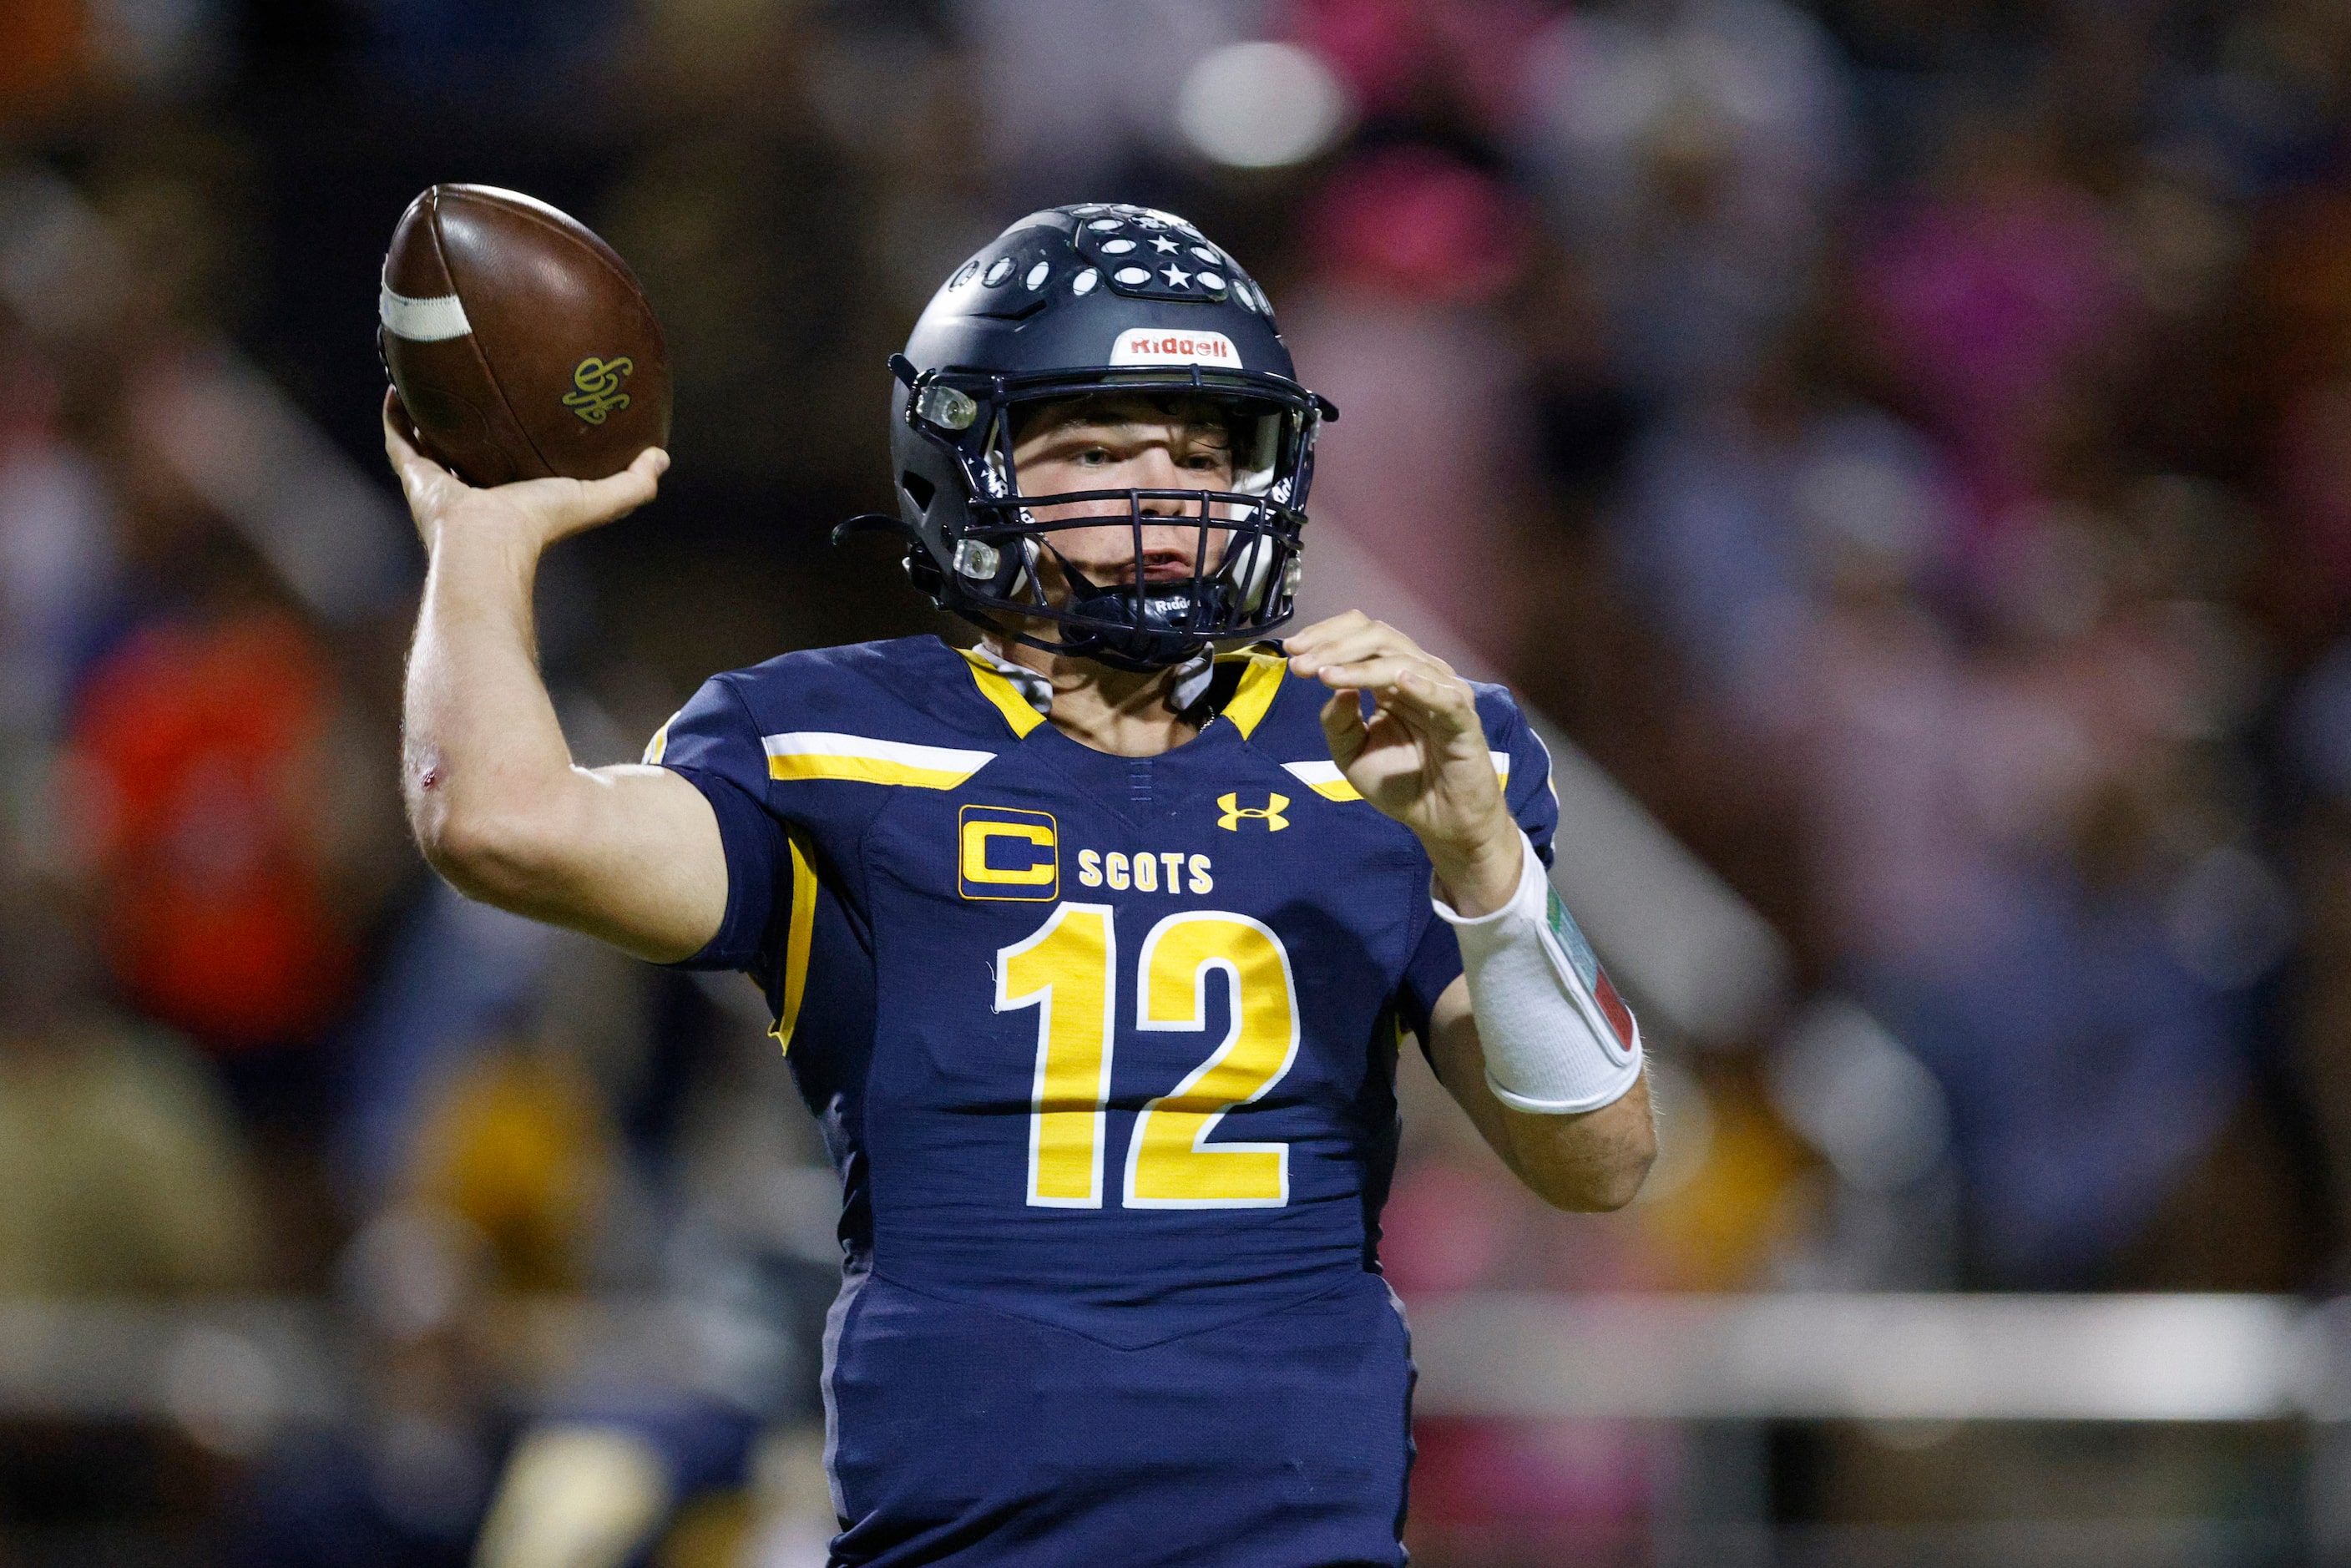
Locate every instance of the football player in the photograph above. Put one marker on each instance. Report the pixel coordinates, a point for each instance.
(1092, 945)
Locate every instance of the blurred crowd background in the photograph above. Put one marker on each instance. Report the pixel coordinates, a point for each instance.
(1906, 445)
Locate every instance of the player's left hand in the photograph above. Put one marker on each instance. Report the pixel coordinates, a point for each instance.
(1421, 757)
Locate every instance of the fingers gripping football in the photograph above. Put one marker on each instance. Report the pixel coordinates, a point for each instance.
(532, 512)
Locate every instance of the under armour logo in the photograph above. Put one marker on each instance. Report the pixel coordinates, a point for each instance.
(1270, 813)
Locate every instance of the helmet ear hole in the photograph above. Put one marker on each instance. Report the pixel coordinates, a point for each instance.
(918, 489)
(924, 572)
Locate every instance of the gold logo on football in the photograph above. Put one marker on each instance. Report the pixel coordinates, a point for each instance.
(596, 384)
(1270, 813)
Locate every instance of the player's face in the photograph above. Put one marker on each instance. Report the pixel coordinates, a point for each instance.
(1126, 444)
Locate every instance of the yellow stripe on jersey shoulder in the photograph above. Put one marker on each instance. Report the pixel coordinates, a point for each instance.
(808, 755)
(1325, 780)
(1260, 683)
(1016, 708)
(798, 936)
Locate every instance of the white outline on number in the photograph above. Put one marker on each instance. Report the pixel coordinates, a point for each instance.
(1041, 998)
(1195, 1024)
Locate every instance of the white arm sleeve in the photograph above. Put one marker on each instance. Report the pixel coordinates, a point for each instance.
(1555, 1043)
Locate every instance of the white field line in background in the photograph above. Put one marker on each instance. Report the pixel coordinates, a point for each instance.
(1536, 1355)
(1884, 1357)
(1671, 931)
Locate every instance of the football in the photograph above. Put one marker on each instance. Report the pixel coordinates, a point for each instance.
(520, 344)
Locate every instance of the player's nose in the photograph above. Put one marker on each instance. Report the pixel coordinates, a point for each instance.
(1156, 469)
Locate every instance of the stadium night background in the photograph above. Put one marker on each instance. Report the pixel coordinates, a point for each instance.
(1899, 457)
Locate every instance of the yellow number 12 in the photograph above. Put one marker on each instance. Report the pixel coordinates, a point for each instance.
(1067, 969)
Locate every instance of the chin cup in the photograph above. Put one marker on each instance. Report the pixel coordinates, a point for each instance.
(1146, 632)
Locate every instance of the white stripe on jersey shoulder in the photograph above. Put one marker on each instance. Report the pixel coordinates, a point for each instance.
(1550, 782)
(1325, 780)
(431, 321)
(805, 754)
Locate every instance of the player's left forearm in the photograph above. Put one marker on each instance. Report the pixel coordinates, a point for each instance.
(1592, 1160)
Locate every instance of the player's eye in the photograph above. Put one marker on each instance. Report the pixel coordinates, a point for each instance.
(1093, 457)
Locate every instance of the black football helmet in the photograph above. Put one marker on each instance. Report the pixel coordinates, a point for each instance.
(1077, 300)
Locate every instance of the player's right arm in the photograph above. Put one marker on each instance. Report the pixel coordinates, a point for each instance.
(629, 854)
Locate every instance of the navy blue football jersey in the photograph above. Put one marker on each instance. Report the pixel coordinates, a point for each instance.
(1105, 1049)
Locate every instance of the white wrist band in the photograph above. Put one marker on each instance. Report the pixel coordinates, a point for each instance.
(1558, 1039)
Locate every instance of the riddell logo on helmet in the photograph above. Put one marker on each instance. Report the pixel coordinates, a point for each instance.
(1152, 346)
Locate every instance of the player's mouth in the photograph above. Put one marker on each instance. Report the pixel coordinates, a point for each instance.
(1157, 572)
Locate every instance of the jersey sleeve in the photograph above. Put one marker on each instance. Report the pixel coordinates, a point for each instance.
(713, 743)
(1520, 756)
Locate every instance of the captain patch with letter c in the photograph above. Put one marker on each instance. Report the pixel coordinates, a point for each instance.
(1002, 851)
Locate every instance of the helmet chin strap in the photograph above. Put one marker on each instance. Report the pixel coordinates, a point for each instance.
(1128, 627)
(1193, 677)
